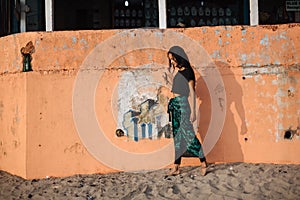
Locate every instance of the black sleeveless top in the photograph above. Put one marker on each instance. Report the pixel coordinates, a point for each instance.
(181, 81)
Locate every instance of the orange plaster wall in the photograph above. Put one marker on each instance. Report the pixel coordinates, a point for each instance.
(13, 121)
(54, 148)
(38, 137)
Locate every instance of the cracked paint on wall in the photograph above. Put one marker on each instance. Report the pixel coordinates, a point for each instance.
(137, 88)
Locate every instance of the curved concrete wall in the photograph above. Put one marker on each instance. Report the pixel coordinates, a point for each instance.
(39, 131)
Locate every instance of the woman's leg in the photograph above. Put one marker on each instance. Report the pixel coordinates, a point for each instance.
(176, 118)
(177, 162)
(203, 166)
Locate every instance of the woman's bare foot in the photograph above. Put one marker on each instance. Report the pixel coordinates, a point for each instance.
(175, 171)
(203, 171)
(203, 168)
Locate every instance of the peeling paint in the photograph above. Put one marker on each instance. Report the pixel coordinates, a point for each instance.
(216, 54)
(244, 32)
(132, 34)
(281, 93)
(283, 35)
(277, 134)
(74, 39)
(277, 62)
(144, 84)
(265, 58)
(66, 47)
(227, 28)
(259, 80)
(275, 82)
(220, 42)
(265, 40)
(37, 42)
(84, 43)
(243, 57)
(159, 34)
(268, 70)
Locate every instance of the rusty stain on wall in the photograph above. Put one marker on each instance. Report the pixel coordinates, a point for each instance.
(2, 149)
(76, 148)
(15, 121)
(1, 109)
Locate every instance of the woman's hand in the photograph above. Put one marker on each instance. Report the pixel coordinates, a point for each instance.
(193, 116)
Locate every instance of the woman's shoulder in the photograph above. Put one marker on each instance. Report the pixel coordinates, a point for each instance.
(188, 73)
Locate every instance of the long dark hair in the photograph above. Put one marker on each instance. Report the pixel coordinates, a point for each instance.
(180, 56)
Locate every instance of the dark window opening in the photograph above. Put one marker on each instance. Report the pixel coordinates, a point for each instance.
(105, 14)
(9, 17)
(207, 13)
(135, 13)
(82, 14)
(279, 11)
(119, 14)
(35, 17)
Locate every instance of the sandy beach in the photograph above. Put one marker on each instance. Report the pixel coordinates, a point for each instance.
(223, 181)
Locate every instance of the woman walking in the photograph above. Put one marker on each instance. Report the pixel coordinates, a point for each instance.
(182, 113)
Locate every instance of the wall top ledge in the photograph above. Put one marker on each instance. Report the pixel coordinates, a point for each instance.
(236, 45)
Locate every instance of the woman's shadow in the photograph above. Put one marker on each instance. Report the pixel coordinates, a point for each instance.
(228, 147)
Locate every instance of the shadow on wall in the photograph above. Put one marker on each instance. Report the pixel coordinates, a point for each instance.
(228, 147)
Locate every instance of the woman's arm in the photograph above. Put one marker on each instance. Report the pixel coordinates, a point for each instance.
(192, 100)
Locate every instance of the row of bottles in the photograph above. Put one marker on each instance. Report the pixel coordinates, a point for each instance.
(143, 13)
(202, 16)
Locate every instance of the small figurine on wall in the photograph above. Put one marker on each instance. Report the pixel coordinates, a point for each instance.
(26, 53)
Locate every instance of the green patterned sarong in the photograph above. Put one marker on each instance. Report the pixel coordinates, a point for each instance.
(185, 141)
